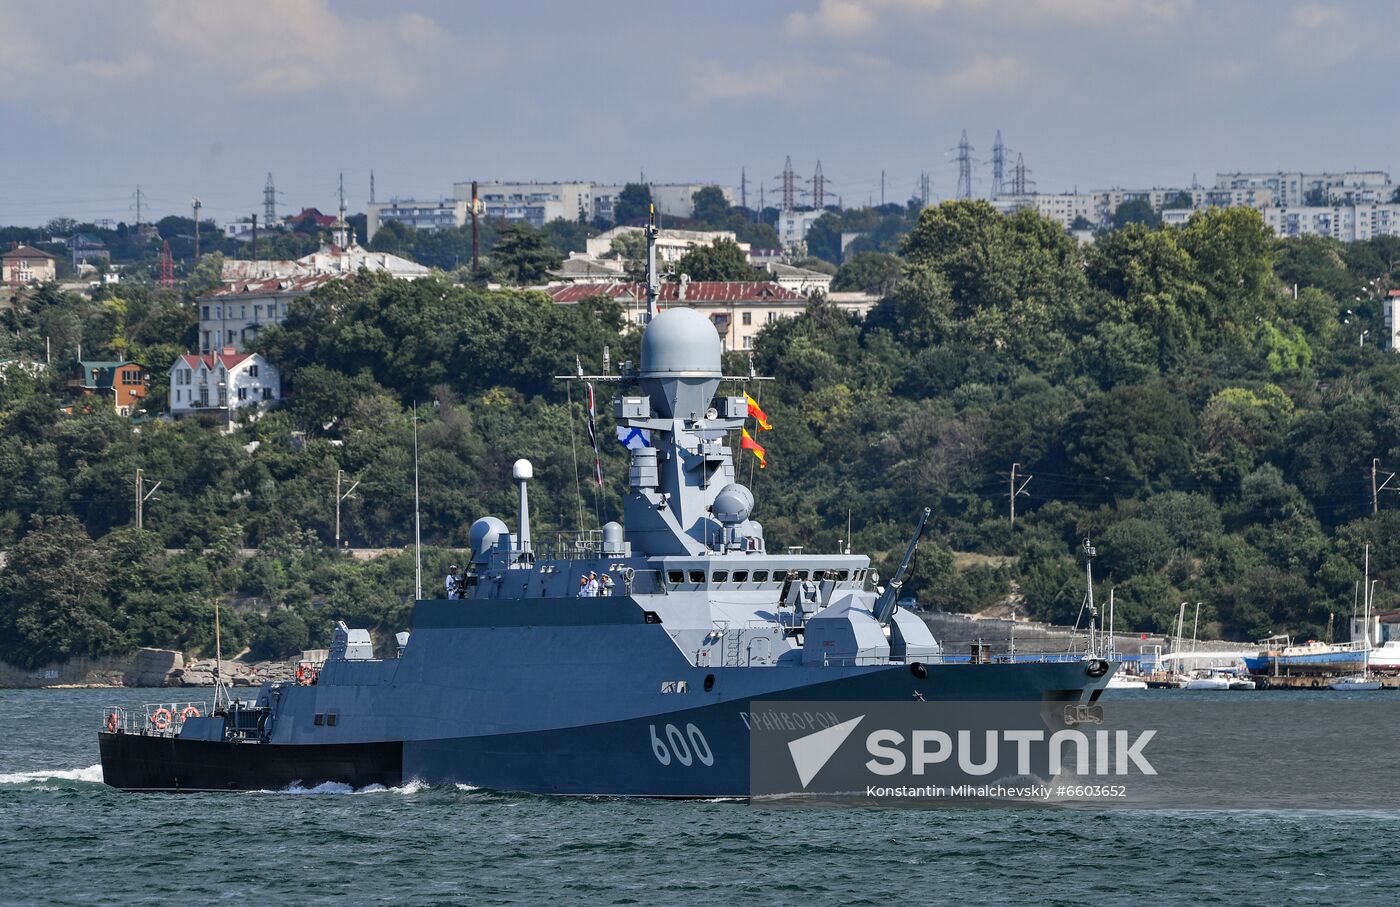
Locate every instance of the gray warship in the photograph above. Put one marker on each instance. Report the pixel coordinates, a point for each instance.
(524, 685)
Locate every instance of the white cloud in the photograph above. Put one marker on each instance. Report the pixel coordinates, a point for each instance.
(132, 65)
(853, 19)
(293, 47)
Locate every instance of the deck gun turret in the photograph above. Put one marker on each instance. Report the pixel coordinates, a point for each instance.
(884, 605)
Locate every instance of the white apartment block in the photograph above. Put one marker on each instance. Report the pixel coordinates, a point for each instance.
(1291, 189)
(1348, 223)
(534, 203)
(1392, 319)
(793, 226)
(670, 244)
(222, 383)
(420, 215)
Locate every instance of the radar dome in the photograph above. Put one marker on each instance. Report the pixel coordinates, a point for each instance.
(680, 342)
(485, 534)
(733, 504)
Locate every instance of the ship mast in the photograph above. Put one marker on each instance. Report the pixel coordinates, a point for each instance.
(653, 276)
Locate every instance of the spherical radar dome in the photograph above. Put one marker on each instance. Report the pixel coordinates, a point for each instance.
(681, 342)
(733, 504)
(485, 534)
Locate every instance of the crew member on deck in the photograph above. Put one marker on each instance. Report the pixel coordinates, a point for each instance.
(605, 585)
(453, 582)
(592, 589)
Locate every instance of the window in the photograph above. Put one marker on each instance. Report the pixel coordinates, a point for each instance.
(802, 575)
(720, 576)
(257, 312)
(772, 317)
(697, 576)
(243, 311)
(319, 720)
(741, 576)
(760, 576)
(206, 313)
(843, 575)
(243, 393)
(252, 371)
(675, 576)
(748, 343)
(748, 318)
(267, 393)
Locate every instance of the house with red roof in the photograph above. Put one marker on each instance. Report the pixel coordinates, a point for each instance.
(223, 383)
(737, 308)
(26, 264)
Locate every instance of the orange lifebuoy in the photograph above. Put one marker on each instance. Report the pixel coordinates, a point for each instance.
(304, 674)
(161, 718)
(111, 722)
(189, 711)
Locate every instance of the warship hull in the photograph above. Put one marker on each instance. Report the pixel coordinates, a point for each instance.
(705, 749)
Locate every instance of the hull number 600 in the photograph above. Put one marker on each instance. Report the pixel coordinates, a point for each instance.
(684, 748)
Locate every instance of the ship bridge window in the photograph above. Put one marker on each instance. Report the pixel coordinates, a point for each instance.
(720, 576)
(760, 576)
(675, 576)
(697, 576)
(843, 575)
(802, 574)
(741, 576)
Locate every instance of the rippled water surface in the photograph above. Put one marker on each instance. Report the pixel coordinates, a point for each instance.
(65, 838)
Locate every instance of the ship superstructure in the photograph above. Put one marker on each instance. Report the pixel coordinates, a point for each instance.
(525, 684)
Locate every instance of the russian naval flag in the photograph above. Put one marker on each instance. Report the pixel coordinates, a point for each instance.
(633, 438)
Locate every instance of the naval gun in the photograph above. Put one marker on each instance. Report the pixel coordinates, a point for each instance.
(884, 605)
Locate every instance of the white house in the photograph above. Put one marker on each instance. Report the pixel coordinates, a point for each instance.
(221, 383)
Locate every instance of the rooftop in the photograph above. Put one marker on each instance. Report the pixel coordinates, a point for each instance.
(695, 291)
(22, 251)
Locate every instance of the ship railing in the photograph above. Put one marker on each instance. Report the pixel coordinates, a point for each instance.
(158, 719)
(573, 545)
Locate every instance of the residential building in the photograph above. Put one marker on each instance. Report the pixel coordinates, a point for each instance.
(580, 267)
(793, 226)
(1348, 223)
(122, 383)
(222, 383)
(88, 250)
(800, 280)
(419, 215)
(737, 308)
(670, 244)
(257, 294)
(26, 264)
(1293, 189)
(678, 199)
(534, 203)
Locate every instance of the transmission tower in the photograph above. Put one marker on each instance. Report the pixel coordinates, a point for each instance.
(743, 188)
(998, 165)
(1019, 184)
(167, 266)
(923, 187)
(788, 185)
(269, 202)
(964, 167)
(818, 188)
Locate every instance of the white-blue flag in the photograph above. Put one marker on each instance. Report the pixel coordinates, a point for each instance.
(633, 438)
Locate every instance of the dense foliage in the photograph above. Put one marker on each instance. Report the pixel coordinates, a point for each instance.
(1194, 399)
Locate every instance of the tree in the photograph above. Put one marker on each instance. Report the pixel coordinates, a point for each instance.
(633, 204)
(721, 260)
(869, 272)
(53, 596)
(522, 256)
(1135, 211)
(568, 235)
(711, 207)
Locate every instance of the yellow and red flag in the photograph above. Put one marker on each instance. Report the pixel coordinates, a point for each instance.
(747, 442)
(759, 415)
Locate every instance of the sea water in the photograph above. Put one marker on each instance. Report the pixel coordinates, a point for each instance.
(66, 838)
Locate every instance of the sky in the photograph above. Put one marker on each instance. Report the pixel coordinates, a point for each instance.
(206, 97)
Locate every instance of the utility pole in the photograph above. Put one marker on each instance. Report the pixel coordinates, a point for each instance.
(476, 237)
(197, 205)
(882, 187)
(339, 477)
(1017, 490)
(142, 496)
(1377, 489)
(255, 237)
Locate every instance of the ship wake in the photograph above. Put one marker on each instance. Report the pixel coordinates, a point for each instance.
(91, 774)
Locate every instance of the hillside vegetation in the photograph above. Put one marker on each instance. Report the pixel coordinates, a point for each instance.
(1197, 400)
